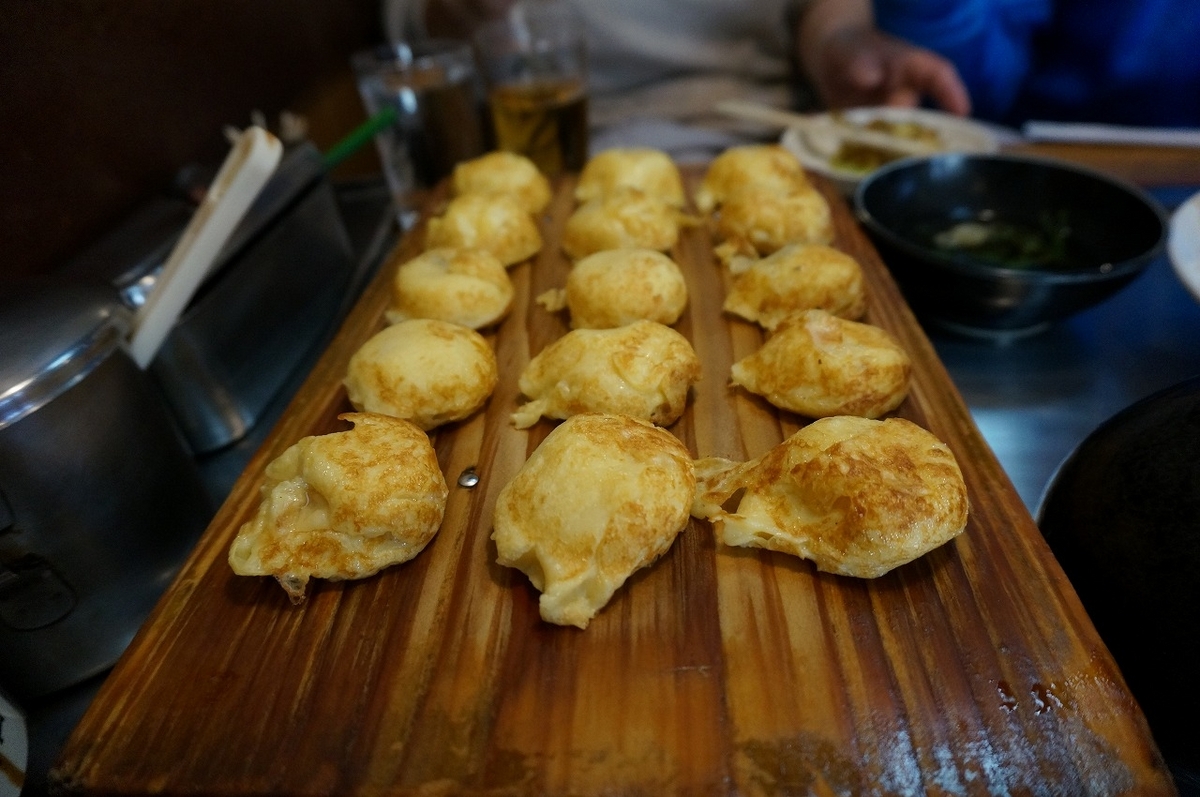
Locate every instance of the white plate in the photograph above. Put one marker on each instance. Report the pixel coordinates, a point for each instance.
(957, 135)
(1183, 244)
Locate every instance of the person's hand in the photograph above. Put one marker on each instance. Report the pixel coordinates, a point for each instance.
(863, 66)
(457, 18)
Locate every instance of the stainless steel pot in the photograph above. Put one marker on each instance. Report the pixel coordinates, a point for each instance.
(272, 295)
(99, 499)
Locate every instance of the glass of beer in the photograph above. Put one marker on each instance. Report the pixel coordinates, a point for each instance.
(534, 64)
(430, 88)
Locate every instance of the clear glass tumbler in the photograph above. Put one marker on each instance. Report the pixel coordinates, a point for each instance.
(534, 62)
(432, 89)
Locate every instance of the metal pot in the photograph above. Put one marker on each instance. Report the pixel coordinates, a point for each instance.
(274, 292)
(100, 500)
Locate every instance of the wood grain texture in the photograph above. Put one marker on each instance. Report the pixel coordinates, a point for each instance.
(973, 670)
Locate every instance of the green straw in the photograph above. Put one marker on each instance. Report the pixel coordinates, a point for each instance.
(358, 136)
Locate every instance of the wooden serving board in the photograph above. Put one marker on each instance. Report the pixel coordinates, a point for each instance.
(973, 670)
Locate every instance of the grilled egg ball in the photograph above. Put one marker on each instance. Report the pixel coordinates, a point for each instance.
(427, 371)
(643, 370)
(602, 497)
(344, 505)
(503, 173)
(648, 170)
(494, 222)
(858, 497)
(469, 287)
(760, 222)
(623, 219)
(817, 364)
(619, 286)
(762, 168)
(798, 277)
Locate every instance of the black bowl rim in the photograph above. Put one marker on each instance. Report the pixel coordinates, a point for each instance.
(1186, 389)
(966, 266)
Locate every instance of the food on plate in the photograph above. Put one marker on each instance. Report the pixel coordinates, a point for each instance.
(794, 278)
(426, 371)
(817, 364)
(619, 286)
(858, 497)
(625, 218)
(494, 222)
(650, 171)
(754, 223)
(853, 156)
(344, 505)
(643, 370)
(602, 497)
(503, 173)
(860, 158)
(763, 168)
(469, 287)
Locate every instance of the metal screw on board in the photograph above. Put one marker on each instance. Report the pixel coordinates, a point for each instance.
(468, 478)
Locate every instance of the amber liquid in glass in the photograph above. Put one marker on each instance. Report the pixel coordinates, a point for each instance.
(545, 121)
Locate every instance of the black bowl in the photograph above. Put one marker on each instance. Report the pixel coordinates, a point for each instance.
(1053, 238)
(1122, 515)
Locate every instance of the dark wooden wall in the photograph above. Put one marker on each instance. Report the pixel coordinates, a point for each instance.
(101, 101)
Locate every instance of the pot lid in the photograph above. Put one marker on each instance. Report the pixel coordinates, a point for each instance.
(51, 336)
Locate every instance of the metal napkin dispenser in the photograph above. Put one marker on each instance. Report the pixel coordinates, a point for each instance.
(274, 293)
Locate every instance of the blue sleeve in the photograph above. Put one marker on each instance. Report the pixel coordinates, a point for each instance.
(1123, 61)
(988, 40)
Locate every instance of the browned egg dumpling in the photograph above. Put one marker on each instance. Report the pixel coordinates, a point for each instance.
(758, 222)
(344, 505)
(503, 173)
(619, 286)
(469, 287)
(858, 497)
(602, 497)
(798, 277)
(763, 168)
(817, 364)
(650, 171)
(643, 370)
(624, 219)
(427, 371)
(494, 222)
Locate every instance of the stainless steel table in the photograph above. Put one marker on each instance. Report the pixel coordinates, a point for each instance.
(1034, 399)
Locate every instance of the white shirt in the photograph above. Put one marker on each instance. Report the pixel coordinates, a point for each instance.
(657, 67)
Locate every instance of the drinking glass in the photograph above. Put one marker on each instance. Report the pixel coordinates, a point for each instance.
(431, 88)
(534, 64)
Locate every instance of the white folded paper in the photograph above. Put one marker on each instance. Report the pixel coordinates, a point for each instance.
(1089, 133)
